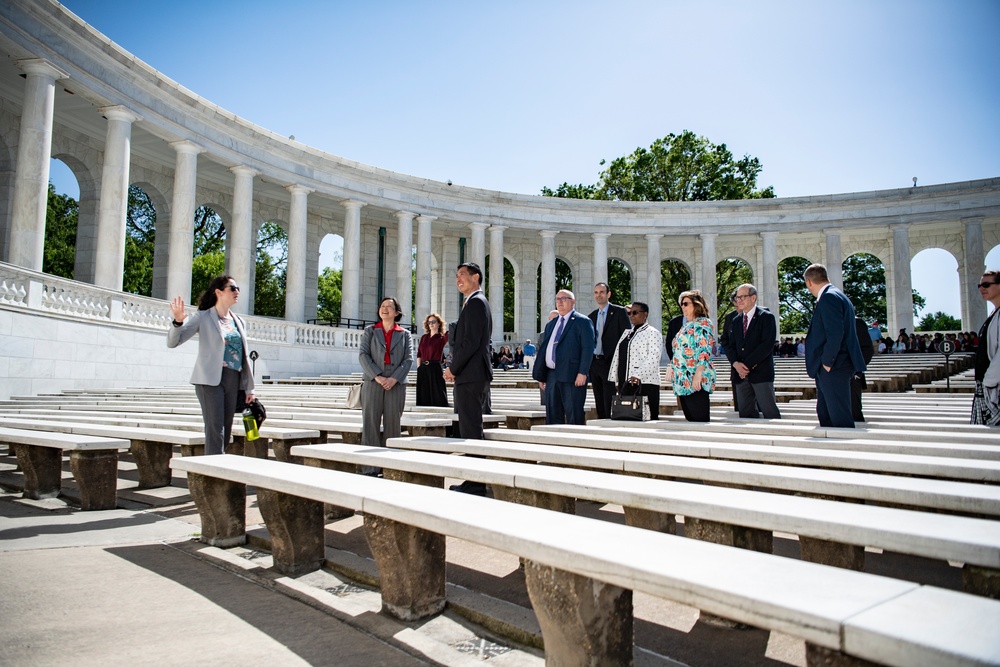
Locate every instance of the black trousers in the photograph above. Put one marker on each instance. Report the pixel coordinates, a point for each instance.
(470, 404)
(696, 406)
(603, 390)
(858, 385)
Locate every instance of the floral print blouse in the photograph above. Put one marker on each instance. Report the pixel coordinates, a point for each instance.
(693, 348)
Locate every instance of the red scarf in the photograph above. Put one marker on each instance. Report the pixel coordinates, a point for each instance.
(388, 339)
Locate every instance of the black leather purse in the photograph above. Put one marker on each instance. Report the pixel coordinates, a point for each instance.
(630, 406)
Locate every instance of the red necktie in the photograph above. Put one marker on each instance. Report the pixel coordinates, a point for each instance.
(746, 323)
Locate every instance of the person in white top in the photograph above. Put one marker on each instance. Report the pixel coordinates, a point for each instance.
(636, 360)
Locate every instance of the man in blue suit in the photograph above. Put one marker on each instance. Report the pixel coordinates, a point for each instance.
(833, 354)
(564, 357)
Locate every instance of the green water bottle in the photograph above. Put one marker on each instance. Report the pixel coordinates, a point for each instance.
(250, 425)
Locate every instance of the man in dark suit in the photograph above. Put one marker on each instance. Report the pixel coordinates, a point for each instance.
(470, 368)
(858, 381)
(833, 353)
(610, 322)
(564, 357)
(751, 352)
(673, 327)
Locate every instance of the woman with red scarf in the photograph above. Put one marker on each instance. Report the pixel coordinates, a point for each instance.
(386, 356)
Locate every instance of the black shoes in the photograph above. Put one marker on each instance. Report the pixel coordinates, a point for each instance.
(472, 488)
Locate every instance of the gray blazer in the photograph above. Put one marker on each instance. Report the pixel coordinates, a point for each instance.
(372, 354)
(211, 345)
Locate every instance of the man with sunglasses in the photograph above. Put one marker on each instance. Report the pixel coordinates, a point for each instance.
(751, 352)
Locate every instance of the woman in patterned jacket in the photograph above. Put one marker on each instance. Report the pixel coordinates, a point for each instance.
(692, 373)
(637, 359)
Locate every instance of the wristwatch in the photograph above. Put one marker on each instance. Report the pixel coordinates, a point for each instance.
(177, 324)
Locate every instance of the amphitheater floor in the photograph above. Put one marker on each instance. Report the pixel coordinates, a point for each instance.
(134, 586)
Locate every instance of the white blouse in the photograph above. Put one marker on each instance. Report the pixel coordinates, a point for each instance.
(643, 357)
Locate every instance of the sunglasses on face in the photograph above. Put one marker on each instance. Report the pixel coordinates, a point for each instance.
(633, 313)
(685, 303)
(234, 288)
(986, 285)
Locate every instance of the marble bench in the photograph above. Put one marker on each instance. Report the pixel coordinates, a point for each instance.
(93, 462)
(581, 573)
(830, 532)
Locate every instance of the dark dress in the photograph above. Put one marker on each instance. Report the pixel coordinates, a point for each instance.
(431, 388)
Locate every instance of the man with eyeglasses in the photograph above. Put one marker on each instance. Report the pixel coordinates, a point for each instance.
(564, 357)
(610, 322)
(726, 339)
(751, 352)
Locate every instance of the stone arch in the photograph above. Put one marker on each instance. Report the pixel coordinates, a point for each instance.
(621, 279)
(932, 282)
(730, 273)
(86, 222)
(564, 280)
(795, 303)
(676, 276)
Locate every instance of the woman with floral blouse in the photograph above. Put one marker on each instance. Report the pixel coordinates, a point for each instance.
(691, 371)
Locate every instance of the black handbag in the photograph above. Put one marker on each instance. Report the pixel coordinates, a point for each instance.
(630, 406)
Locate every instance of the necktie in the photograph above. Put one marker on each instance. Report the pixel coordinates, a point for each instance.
(746, 323)
(559, 329)
(598, 347)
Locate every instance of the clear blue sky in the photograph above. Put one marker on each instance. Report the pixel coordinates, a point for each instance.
(832, 97)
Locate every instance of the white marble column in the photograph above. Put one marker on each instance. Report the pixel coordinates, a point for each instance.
(971, 272)
(768, 287)
(547, 298)
(902, 302)
(113, 207)
(834, 260)
(601, 261)
(654, 287)
(351, 277)
(241, 255)
(26, 243)
(477, 250)
(182, 220)
(496, 281)
(708, 273)
(422, 307)
(295, 274)
(404, 263)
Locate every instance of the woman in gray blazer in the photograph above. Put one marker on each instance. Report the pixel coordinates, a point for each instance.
(386, 355)
(223, 365)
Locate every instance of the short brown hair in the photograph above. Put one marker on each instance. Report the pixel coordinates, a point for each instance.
(697, 300)
(816, 273)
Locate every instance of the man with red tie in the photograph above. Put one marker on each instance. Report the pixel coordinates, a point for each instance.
(751, 352)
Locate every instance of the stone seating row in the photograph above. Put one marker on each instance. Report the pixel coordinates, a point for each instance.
(830, 532)
(581, 573)
(93, 461)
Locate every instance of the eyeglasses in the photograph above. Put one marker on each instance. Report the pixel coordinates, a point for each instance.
(563, 298)
(986, 285)
(740, 297)
(234, 288)
(633, 313)
(685, 303)
(433, 322)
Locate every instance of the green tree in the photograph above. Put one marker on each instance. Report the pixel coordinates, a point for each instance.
(620, 281)
(140, 242)
(270, 271)
(939, 321)
(203, 269)
(678, 167)
(729, 274)
(674, 279)
(61, 216)
(508, 291)
(329, 294)
(864, 284)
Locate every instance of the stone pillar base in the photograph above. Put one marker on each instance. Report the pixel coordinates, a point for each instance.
(42, 467)
(351, 438)
(820, 656)
(222, 506)
(847, 556)
(193, 450)
(426, 431)
(254, 448)
(153, 462)
(662, 522)
(334, 512)
(583, 621)
(96, 473)
(983, 581)
(411, 565)
(296, 528)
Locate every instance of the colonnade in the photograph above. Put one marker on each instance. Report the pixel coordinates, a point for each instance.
(441, 232)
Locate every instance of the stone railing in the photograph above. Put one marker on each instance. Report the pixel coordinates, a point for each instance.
(32, 290)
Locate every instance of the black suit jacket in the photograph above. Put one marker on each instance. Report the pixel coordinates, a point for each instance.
(726, 337)
(615, 324)
(673, 327)
(470, 345)
(756, 347)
